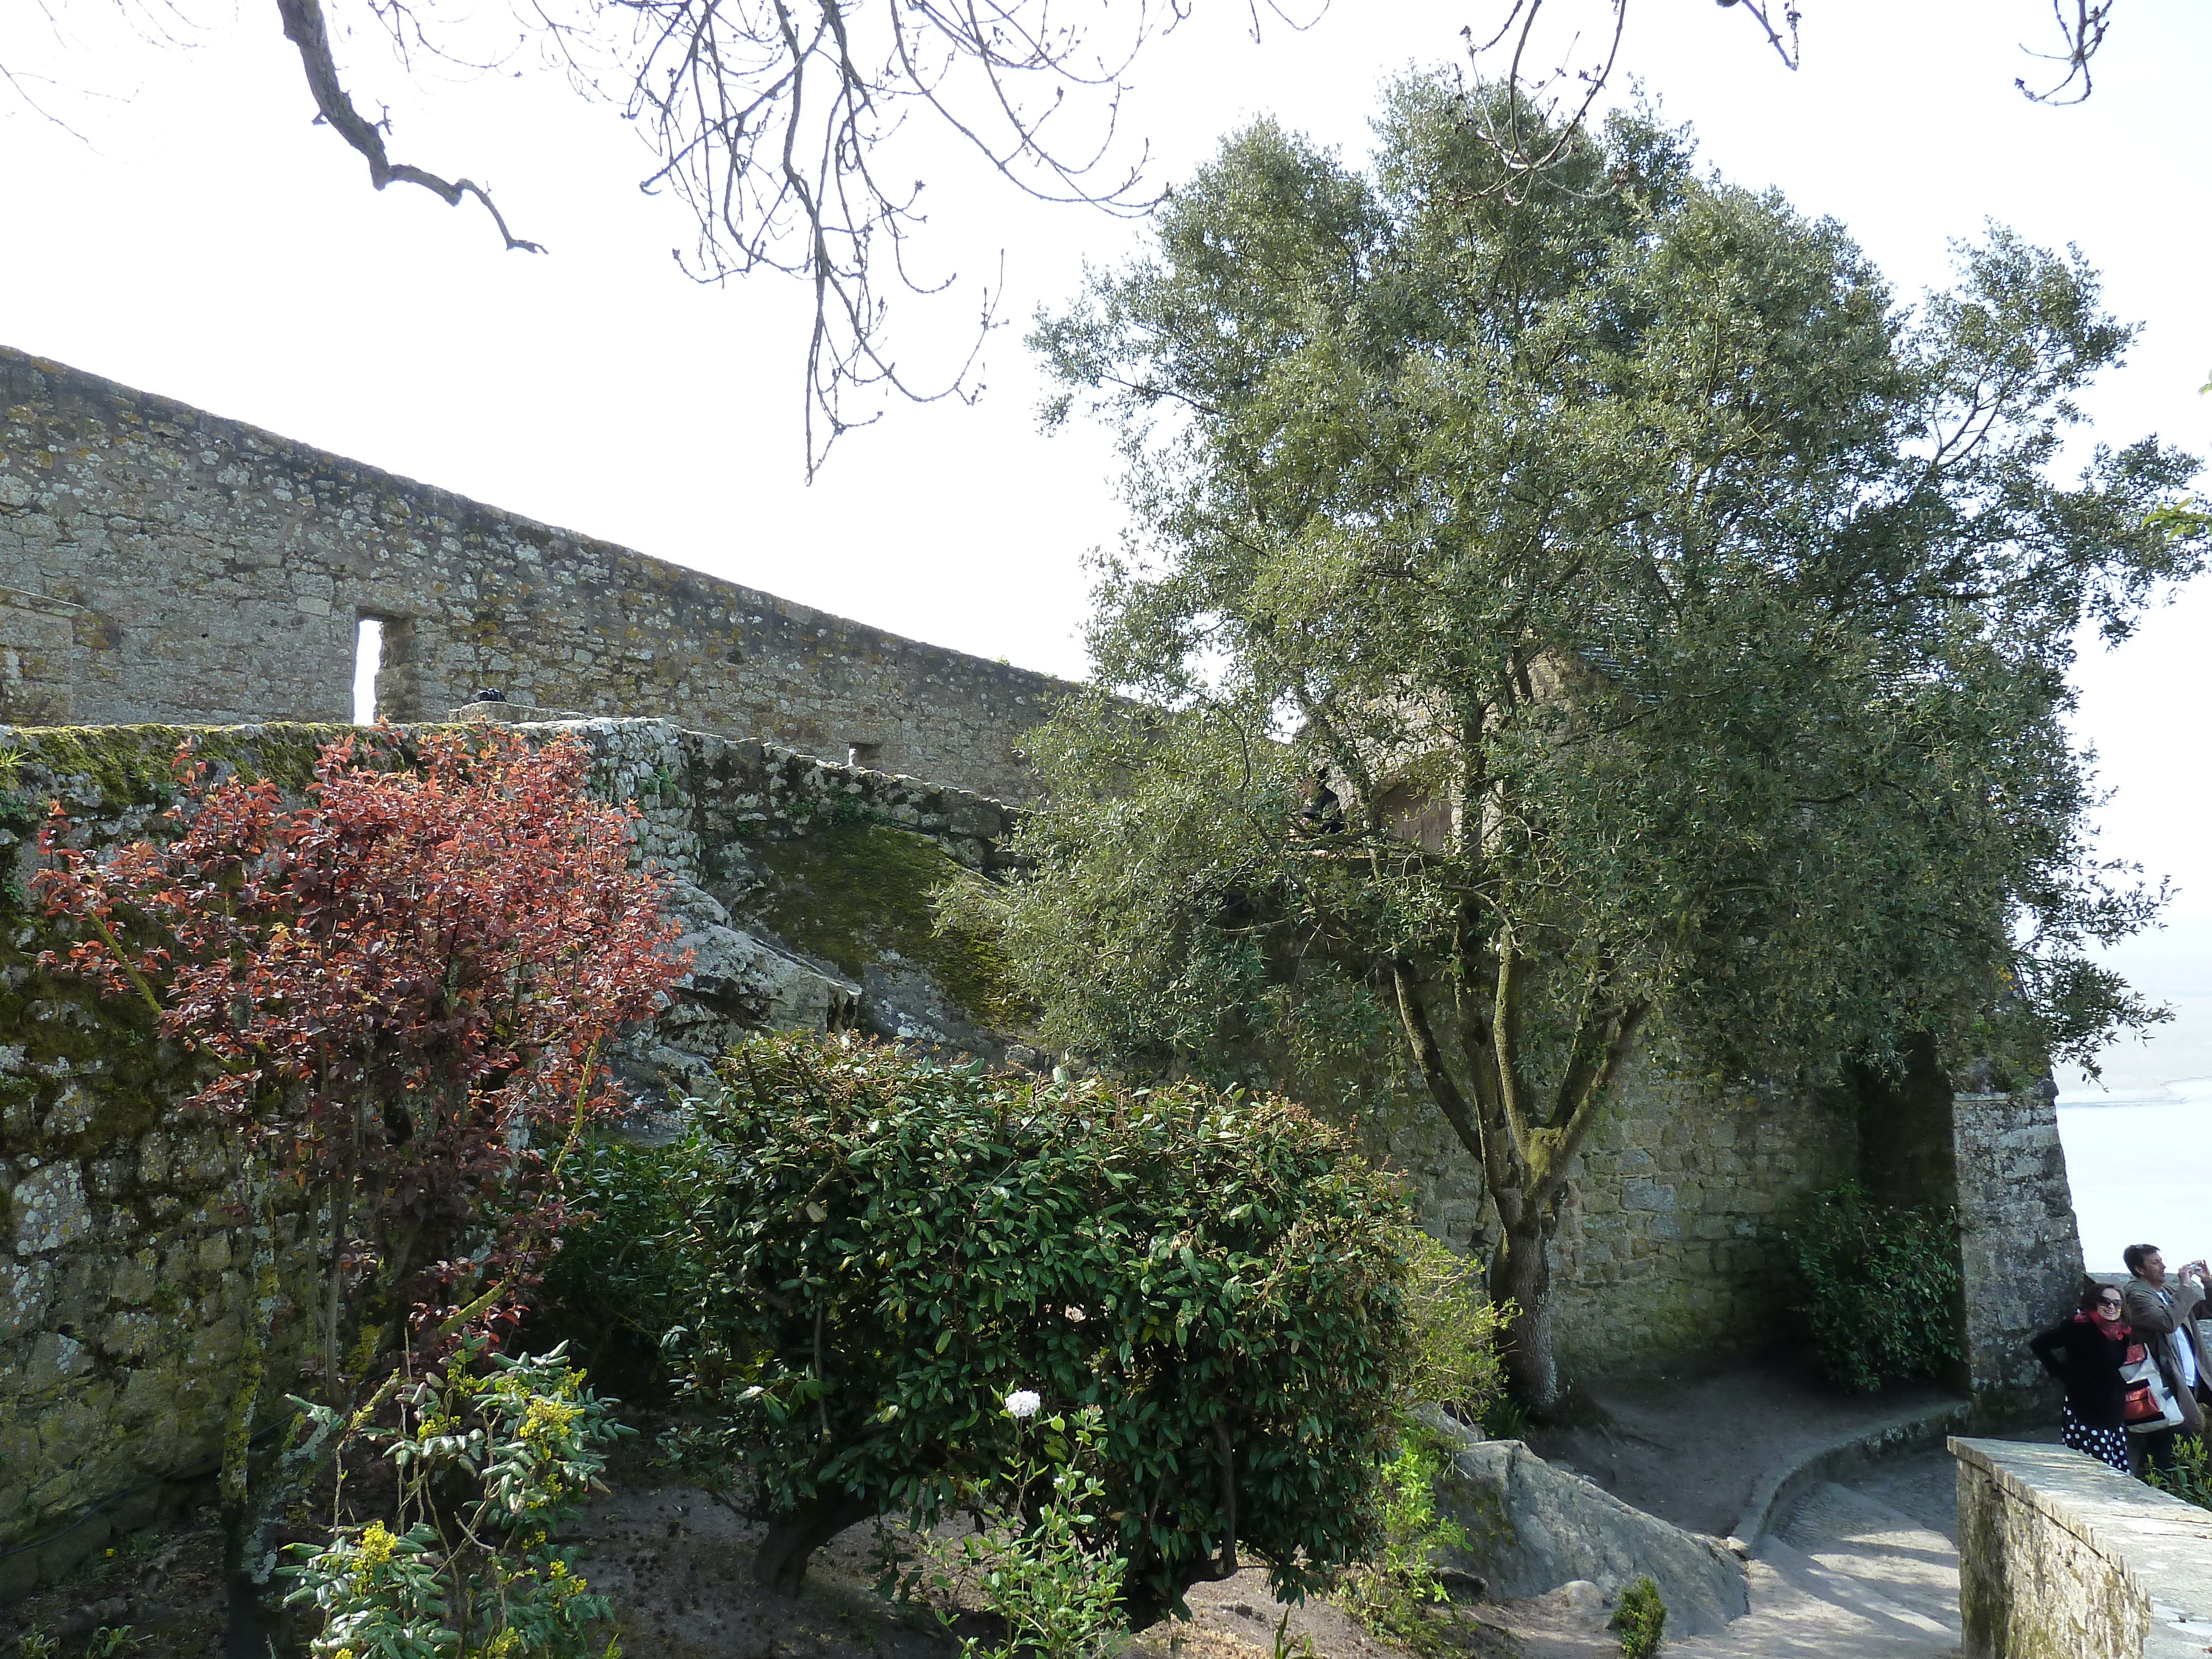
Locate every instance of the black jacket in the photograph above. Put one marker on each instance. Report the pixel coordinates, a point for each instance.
(2088, 1363)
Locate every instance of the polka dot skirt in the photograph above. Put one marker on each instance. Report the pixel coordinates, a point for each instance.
(2108, 1444)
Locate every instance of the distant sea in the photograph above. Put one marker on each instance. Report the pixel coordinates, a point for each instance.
(2139, 1163)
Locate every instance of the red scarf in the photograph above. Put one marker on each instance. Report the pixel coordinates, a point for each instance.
(2117, 1329)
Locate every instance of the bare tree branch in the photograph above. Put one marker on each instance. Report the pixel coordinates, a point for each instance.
(1550, 106)
(305, 28)
(2083, 33)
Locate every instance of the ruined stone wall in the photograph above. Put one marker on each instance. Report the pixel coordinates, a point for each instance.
(2020, 1250)
(216, 574)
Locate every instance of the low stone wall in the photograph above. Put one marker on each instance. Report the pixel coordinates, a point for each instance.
(2060, 1556)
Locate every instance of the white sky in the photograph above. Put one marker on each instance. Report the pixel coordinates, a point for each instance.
(209, 243)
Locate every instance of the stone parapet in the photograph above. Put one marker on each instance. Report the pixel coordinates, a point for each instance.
(2063, 1557)
(222, 573)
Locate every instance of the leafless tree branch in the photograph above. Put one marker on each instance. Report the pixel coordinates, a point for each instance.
(2083, 33)
(1549, 107)
(305, 28)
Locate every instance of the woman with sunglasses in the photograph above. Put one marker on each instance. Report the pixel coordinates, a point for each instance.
(2085, 1353)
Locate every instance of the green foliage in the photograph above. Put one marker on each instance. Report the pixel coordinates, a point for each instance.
(2191, 1477)
(1506, 1419)
(1058, 1593)
(855, 889)
(489, 1463)
(867, 1251)
(1392, 1594)
(1591, 617)
(1640, 1619)
(612, 1292)
(1877, 1285)
(1455, 1327)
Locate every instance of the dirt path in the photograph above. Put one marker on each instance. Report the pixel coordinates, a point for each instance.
(1688, 1444)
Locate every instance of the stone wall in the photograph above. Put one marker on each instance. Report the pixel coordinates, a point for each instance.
(1667, 1243)
(37, 636)
(2060, 1556)
(215, 573)
(2019, 1251)
(120, 1284)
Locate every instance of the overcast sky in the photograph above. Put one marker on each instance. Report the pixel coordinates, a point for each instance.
(204, 241)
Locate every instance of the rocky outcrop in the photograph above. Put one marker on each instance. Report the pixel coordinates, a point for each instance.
(1534, 1527)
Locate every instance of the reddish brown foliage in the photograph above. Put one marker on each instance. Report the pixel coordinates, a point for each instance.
(404, 983)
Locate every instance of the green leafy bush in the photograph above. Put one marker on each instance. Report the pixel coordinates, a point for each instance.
(1391, 1594)
(863, 1253)
(489, 1463)
(1877, 1287)
(1455, 1327)
(1640, 1619)
(2190, 1478)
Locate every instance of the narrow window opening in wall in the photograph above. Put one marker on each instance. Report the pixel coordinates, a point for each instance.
(367, 658)
(864, 754)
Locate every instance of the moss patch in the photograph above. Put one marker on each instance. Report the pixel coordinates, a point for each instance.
(853, 892)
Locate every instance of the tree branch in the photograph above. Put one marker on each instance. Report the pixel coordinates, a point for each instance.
(305, 28)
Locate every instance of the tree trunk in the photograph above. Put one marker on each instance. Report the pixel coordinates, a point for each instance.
(1523, 1273)
(252, 1626)
(793, 1536)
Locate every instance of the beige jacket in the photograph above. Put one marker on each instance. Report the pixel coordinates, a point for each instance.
(2156, 1315)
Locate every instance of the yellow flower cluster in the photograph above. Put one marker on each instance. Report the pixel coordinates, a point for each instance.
(548, 1419)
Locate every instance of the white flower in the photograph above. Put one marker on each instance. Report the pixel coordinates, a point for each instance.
(1022, 1404)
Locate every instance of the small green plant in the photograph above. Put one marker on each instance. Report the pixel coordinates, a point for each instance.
(1877, 1287)
(1455, 1329)
(1058, 1594)
(36, 1644)
(489, 1461)
(114, 1642)
(1640, 1619)
(2190, 1478)
(1392, 1595)
(1504, 1418)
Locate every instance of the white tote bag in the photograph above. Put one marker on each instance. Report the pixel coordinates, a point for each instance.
(2141, 1372)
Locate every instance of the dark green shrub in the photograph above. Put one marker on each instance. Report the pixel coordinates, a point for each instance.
(865, 1253)
(1640, 1619)
(1877, 1287)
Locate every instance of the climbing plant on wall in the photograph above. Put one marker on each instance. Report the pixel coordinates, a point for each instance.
(400, 987)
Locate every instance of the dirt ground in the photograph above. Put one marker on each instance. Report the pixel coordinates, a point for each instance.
(678, 1566)
(1688, 1444)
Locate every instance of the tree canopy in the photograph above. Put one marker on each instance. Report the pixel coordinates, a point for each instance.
(1589, 618)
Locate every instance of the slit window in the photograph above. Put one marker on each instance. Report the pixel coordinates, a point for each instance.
(367, 658)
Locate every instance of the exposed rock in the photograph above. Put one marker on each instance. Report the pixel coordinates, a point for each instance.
(738, 983)
(1536, 1529)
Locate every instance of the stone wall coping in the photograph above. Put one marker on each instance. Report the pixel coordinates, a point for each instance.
(759, 751)
(2160, 1546)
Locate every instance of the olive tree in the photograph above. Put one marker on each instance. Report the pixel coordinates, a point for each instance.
(1583, 620)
